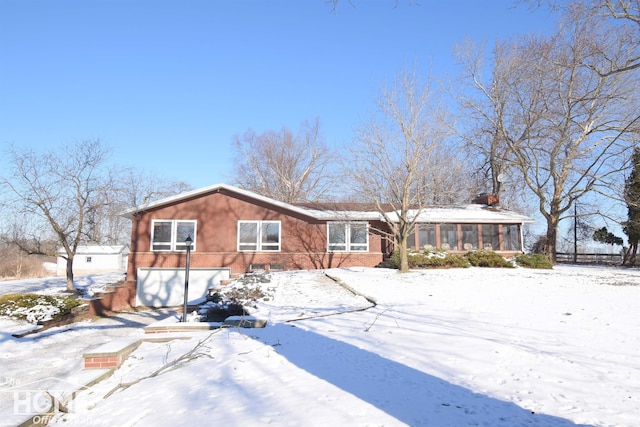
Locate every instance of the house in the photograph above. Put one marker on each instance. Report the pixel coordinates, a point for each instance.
(91, 259)
(233, 231)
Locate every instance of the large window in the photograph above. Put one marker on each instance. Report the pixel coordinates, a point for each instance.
(511, 235)
(469, 236)
(491, 237)
(169, 235)
(465, 237)
(449, 236)
(426, 237)
(347, 237)
(258, 236)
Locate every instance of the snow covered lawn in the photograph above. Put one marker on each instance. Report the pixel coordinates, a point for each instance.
(461, 347)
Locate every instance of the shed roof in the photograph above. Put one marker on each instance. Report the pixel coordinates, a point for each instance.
(99, 250)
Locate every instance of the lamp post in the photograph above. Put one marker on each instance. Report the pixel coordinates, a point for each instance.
(188, 242)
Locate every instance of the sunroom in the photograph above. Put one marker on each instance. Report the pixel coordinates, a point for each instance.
(466, 228)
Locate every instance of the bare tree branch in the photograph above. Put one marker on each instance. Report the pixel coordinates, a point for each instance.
(283, 166)
(55, 191)
(193, 354)
(564, 123)
(392, 158)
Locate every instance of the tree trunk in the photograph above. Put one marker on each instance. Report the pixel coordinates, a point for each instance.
(630, 255)
(404, 258)
(551, 238)
(70, 286)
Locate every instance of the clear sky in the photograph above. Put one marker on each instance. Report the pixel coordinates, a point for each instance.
(168, 83)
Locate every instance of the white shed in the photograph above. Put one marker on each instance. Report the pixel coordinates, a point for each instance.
(95, 259)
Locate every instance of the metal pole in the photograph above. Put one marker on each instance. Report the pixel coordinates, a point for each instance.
(575, 232)
(186, 279)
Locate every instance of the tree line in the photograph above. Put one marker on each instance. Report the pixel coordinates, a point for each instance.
(544, 121)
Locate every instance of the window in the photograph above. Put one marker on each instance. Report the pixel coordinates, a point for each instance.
(347, 237)
(426, 237)
(511, 236)
(169, 235)
(491, 237)
(449, 236)
(469, 236)
(88, 259)
(258, 236)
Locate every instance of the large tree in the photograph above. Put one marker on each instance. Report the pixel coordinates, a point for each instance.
(62, 199)
(284, 166)
(388, 161)
(564, 119)
(632, 198)
(53, 194)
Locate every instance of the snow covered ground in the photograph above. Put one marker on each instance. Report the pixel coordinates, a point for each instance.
(460, 347)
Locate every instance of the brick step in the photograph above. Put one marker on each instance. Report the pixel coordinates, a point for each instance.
(112, 354)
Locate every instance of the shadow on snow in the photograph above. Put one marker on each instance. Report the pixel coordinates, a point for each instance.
(407, 394)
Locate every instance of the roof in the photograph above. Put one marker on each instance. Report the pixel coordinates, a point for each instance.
(99, 250)
(472, 213)
(211, 190)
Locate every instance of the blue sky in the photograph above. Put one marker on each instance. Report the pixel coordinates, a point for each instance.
(167, 84)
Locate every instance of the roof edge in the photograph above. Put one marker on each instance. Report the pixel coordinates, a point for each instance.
(322, 215)
(212, 189)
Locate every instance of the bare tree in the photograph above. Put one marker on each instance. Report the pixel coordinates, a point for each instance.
(567, 119)
(387, 162)
(446, 177)
(53, 193)
(123, 189)
(286, 167)
(487, 109)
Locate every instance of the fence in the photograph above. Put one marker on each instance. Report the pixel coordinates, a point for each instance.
(589, 258)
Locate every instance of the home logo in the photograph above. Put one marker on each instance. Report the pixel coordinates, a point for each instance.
(43, 398)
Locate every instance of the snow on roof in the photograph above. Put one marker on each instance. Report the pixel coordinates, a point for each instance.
(99, 250)
(473, 213)
(344, 215)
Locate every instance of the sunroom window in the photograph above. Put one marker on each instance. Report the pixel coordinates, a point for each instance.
(491, 237)
(511, 237)
(258, 236)
(469, 236)
(426, 237)
(347, 237)
(449, 236)
(170, 235)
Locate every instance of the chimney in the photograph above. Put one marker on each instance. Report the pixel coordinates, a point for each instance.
(487, 199)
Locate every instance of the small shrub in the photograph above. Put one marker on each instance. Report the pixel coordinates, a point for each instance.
(394, 260)
(243, 294)
(534, 261)
(35, 307)
(484, 258)
(430, 259)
